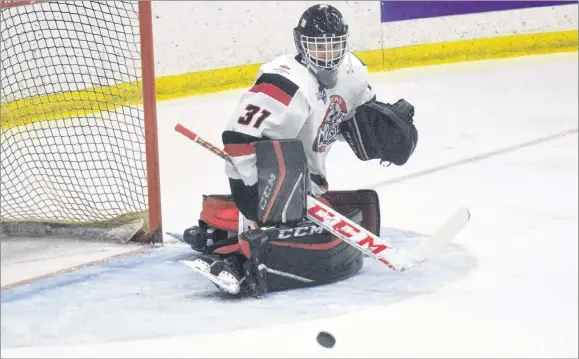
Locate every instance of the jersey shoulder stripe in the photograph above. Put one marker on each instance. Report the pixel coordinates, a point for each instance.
(238, 144)
(276, 86)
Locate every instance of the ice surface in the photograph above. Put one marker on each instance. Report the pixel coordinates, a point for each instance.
(507, 287)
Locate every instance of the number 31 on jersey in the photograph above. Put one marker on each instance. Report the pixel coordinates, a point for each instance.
(250, 112)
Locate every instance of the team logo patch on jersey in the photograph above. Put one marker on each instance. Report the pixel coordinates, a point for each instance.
(328, 130)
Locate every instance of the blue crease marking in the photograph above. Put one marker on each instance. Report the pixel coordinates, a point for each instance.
(83, 275)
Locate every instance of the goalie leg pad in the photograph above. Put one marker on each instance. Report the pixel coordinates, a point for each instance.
(299, 256)
(366, 200)
(281, 185)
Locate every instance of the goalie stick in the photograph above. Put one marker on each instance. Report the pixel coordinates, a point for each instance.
(378, 248)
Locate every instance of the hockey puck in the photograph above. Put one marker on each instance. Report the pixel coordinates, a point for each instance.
(326, 339)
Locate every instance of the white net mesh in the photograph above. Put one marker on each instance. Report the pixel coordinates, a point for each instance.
(72, 140)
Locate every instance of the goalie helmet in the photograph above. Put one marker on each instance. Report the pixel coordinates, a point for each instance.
(321, 38)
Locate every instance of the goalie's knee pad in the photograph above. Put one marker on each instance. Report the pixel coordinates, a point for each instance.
(218, 222)
(220, 211)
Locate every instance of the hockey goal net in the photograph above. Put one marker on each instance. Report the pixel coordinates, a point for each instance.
(78, 115)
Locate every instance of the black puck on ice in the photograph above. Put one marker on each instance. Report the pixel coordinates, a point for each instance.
(326, 339)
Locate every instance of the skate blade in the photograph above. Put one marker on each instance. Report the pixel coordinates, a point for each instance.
(223, 281)
(178, 236)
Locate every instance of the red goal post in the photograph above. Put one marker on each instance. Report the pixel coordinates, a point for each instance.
(79, 144)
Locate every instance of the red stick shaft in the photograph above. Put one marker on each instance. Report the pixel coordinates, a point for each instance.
(195, 138)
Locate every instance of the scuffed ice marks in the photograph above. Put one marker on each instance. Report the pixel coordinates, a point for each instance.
(153, 295)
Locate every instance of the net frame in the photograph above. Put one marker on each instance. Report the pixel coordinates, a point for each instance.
(151, 231)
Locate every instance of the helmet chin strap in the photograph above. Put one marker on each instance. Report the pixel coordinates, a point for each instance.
(326, 78)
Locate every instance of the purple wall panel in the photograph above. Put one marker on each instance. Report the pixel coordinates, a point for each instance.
(406, 10)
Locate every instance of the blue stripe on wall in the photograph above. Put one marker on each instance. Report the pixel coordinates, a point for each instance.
(407, 10)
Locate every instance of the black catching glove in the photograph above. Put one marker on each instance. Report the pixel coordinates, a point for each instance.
(382, 131)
